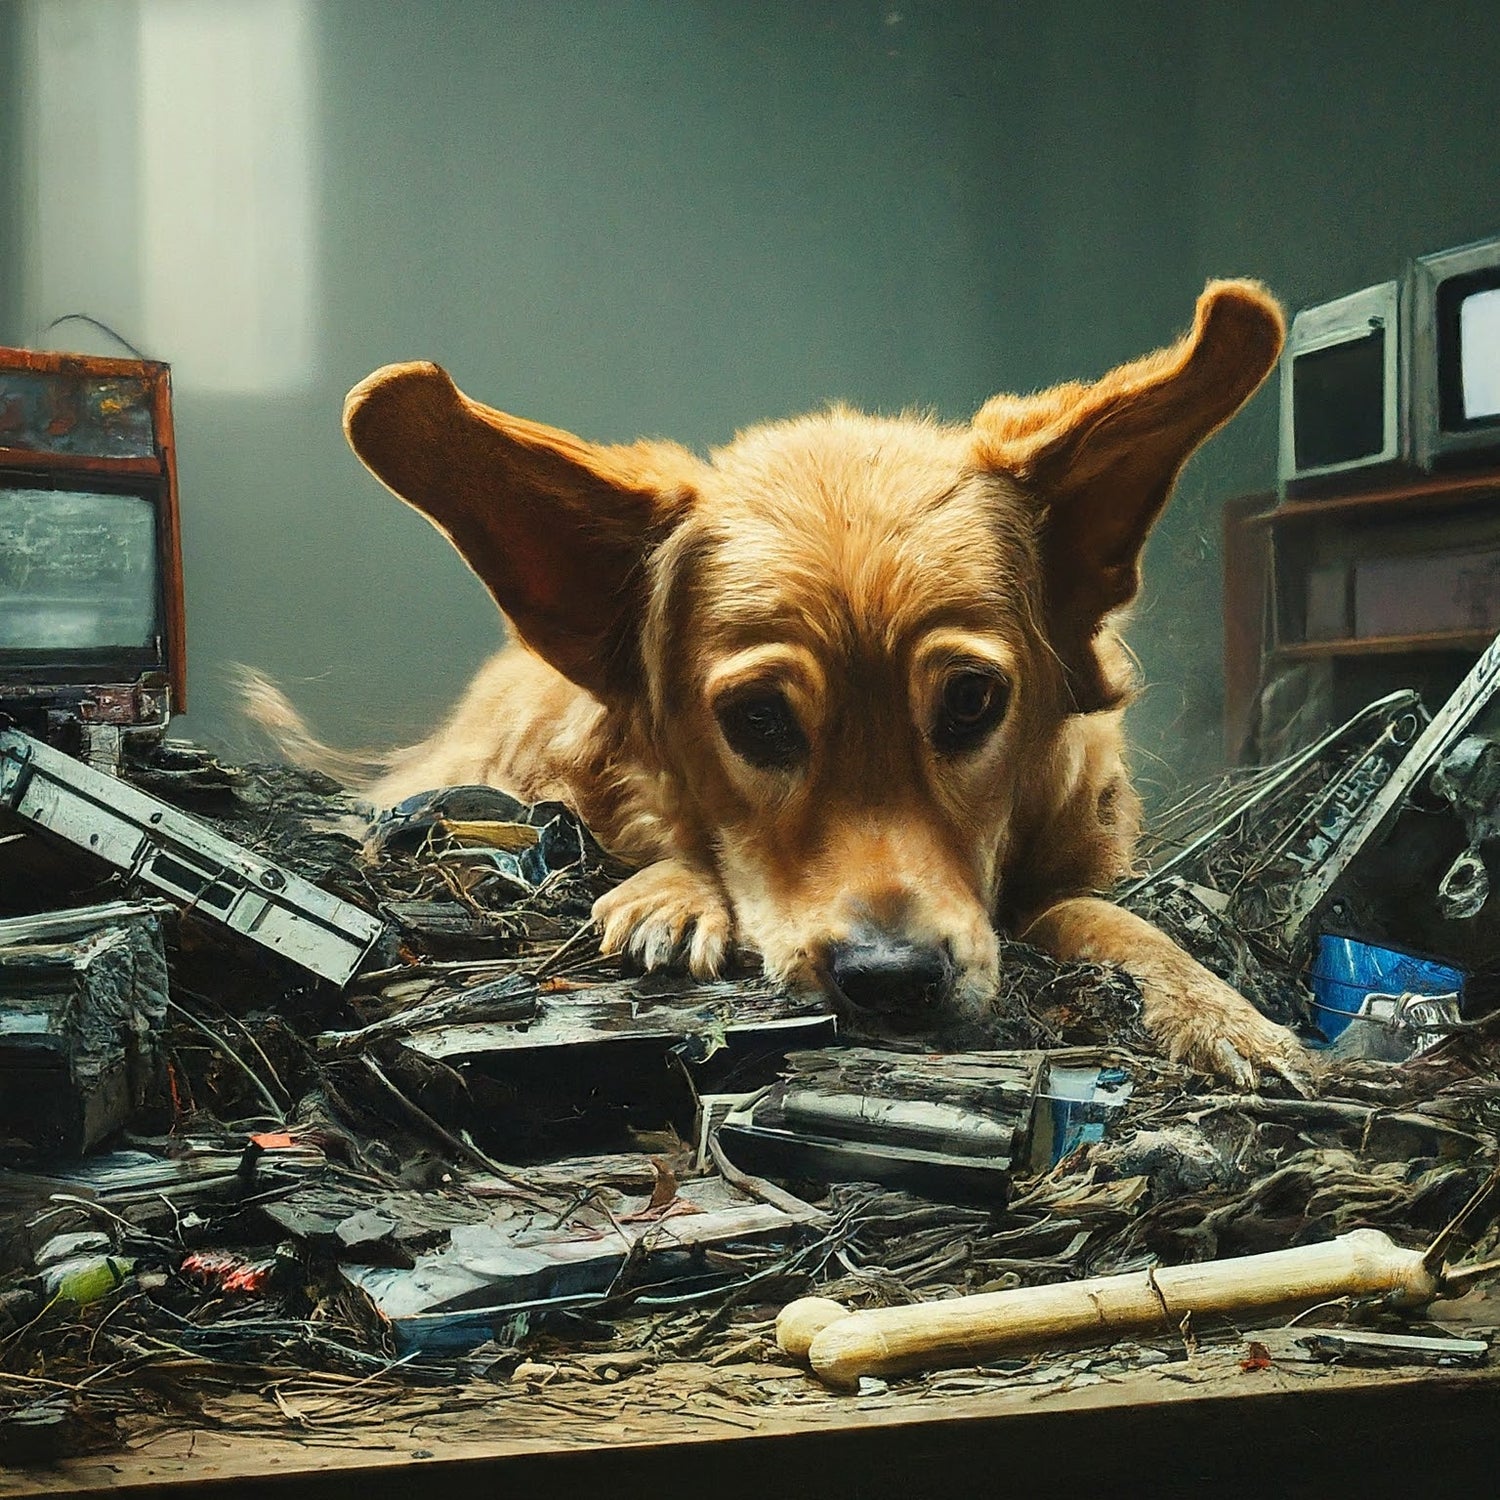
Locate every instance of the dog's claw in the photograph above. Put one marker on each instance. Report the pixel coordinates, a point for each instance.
(1298, 1077)
(1233, 1066)
(1207, 1025)
(708, 947)
(667, 914)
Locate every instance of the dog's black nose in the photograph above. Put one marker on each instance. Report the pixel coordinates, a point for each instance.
(889, 974)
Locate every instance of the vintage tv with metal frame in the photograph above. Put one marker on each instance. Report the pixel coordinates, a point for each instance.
(1343, 389)
(1454, 344)
(91, 603)
(1402, 375)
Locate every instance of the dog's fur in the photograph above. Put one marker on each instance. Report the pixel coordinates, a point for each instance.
(853, 570)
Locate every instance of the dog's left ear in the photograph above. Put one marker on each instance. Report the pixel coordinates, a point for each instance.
(558, 529)
(1100, 460)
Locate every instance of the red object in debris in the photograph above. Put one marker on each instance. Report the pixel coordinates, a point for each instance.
(273, 1140)
(179, 1109)
(229, 1273)
(1257, 1357)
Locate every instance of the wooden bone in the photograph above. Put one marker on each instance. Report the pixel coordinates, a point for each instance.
(970, 1330)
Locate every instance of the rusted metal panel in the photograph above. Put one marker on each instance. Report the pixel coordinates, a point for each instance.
(73, 412)
(171, 852)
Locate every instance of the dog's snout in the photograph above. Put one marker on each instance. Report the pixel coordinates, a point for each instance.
(890, 974)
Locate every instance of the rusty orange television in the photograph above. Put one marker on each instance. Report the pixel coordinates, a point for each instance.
(91, 604)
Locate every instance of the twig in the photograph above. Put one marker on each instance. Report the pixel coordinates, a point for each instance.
(1432, 1258)
(565, 949)
(277, 1112)
(470, 1153)
(245, 1032)
(432, 967)
(767, 1192)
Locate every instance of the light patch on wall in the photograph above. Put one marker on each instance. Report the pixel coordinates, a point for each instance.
(79, 244)
(226, 186)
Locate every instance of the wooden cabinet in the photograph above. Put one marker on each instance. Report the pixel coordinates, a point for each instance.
(1396, 585)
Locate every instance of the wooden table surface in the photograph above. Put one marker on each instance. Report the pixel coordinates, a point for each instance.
(1204, 1425)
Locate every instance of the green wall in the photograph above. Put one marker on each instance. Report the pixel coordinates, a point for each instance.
(677, 217)
(665, 218)
(1331, 142)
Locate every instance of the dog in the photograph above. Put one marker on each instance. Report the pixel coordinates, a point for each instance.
(849, 693)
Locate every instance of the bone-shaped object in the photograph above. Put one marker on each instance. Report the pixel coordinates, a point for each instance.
(842, 1346)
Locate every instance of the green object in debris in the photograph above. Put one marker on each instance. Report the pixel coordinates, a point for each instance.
(87, 1278)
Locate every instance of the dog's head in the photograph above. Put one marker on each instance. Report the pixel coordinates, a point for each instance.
(855, 645)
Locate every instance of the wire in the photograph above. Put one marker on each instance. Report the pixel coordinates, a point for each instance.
(78, 317)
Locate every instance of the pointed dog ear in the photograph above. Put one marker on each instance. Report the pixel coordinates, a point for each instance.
(558, 529)
(1100, 461)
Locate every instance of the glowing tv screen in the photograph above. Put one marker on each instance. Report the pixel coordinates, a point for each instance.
(1454, 354)
(79, 571)
(1479, 354)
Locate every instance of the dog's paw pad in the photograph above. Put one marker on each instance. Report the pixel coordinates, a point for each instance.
(666, 915)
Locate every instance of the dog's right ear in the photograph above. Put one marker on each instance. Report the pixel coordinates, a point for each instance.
(558, 529)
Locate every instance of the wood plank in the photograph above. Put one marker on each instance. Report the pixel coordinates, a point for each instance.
(169, 541)
(1387, 645)
(655, 1008)
(34, 461)
(1163, 1429)
(1247, 574)
(1446, 490)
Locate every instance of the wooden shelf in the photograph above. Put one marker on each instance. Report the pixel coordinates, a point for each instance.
(1387, 645)
(1448, 492)
(1270, 552)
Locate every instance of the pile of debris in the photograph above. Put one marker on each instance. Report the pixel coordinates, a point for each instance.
(336, 1113)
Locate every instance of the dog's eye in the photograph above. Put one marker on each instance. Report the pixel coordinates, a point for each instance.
(762, 729)
(973, 703)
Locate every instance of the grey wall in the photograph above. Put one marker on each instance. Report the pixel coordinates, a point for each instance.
(677, 217)
(1330, 142)
(11, 227)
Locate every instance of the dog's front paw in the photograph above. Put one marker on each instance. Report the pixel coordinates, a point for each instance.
(668, 913)
(1199, 1020)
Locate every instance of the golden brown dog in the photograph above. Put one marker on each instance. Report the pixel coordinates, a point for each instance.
(848, 692)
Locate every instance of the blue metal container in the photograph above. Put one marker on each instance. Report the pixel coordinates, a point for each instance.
(1346, 970)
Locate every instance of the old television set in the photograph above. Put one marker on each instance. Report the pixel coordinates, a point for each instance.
(1454, 339)
(1342, 410)
(1401, 375)
(91, 608)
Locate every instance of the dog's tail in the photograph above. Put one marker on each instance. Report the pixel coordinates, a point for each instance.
(274, 714)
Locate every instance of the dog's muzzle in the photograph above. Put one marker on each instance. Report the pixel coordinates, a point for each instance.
(886, 975)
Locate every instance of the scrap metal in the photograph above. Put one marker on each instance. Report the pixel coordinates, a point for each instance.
(83, 1000)
(1473, 696)
(170, 852)
(1274, 843)
(1468, 776)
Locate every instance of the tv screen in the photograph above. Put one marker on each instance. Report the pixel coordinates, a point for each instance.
(1467, 331)
(78, 571)
(1338, 407)
(1479, 354)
